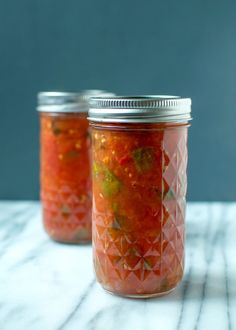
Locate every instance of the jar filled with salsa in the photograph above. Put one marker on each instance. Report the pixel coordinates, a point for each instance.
(65, 163)
(139, 186)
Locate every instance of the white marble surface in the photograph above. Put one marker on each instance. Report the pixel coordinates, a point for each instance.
(50, 286)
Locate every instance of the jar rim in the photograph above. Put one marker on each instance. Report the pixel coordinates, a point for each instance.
(140, 108)
(67, 102)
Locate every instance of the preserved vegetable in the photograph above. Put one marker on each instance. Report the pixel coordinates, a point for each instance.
(65, 176)
(139, 152)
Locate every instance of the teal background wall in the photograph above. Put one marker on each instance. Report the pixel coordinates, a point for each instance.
(184, 47)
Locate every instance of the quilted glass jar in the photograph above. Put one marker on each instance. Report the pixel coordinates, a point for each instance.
(65, 165)
(139, 186)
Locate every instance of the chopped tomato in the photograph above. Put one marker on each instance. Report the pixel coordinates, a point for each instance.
(139, 191)
(65, 177)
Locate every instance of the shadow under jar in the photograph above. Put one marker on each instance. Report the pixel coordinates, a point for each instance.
(65, 165)
(139, 185)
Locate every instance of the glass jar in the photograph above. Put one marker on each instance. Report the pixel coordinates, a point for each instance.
(65, 161)
(139, 185)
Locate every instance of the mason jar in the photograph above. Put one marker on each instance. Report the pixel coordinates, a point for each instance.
(65, 160)
(139, 148)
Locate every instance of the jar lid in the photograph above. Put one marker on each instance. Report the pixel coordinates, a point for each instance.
(145, 109)
(67, 101)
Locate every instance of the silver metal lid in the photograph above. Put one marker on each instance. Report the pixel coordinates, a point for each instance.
(67, 102)
(144, 109)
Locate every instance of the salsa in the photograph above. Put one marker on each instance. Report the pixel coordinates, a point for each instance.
(65, 176)
(139, 187)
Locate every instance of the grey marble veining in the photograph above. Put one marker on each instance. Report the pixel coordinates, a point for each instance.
(50, 286)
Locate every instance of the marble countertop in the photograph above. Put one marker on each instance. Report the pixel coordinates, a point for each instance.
(50, 286)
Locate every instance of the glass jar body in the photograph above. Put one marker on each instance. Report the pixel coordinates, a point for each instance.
(139, 189)
(65, 159)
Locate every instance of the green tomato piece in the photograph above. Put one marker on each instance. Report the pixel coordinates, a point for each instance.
(169, 195)
(55, 129)
(82, 234)
(143, 158)
(96, 169)
(72, 154)
(118, 222)
(65, 210)
(111, 185)
(147, 264)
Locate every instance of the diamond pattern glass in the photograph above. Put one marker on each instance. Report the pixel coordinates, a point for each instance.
(138, 233)
(66, 177)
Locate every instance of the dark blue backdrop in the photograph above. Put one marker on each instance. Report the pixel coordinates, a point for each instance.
(184, 48)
